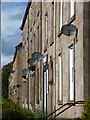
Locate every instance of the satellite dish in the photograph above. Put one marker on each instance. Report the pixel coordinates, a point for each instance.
(8, 87)
(12, 72)
(69, 29)
(8, 83)
(31, 61)
(11, 77)
(37, 56)
(19, 86)
(25, 71)
(14, 87)
(32, 68)
(20, 49)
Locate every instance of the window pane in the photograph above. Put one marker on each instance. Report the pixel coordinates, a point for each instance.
(72, 8)
(60, 14)
(71, 74)
(60, 82)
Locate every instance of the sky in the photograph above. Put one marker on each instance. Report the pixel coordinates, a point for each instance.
(12, 14)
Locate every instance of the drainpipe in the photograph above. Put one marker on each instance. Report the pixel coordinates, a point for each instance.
(28, 64)
(54, 58)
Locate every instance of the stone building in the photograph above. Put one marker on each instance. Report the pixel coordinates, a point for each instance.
(31, 30)
(16, 76)
(62, 75)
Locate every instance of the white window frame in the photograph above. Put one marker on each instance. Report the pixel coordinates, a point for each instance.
(61, 9)
(46, 88)
(71, 8)
(71, 75)
(60, 77)
(46, 33)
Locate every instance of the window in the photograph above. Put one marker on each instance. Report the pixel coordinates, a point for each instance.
(37, 85)
(61, 14)
(45, 81)
(71, 75)
(71, 8)
(46, 32)
(60, 78)
(46, 89)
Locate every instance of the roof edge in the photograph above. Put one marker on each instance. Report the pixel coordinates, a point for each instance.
(25, 15)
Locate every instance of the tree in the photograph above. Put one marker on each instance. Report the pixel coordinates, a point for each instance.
(5, 74)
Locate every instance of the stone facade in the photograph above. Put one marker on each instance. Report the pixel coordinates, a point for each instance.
(16, 77)
(53, 83)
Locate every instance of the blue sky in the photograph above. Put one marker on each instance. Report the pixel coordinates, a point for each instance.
(12, 14)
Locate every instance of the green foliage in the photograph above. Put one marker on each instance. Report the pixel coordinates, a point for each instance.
(77, 119)
(5, 74)
(86, 112)
(12, 111)
(39, 114)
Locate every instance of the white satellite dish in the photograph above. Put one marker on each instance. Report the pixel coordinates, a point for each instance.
(69, 29)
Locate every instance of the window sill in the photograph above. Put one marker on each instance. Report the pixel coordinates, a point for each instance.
(71, 19)
(45, 50)
(51, 43)
(60, 32)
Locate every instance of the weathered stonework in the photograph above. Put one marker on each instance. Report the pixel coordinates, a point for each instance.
(41, 33)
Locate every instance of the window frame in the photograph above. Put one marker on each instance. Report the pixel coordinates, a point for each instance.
(60, 79)
(61, 14)
(71, 71)
(72, 8)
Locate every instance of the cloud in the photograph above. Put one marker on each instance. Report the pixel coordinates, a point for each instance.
(16, 0)
(11, 19)
(18, 16)
(7, 47)
(6, 59)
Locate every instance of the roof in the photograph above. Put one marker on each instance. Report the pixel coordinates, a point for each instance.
(25, 15)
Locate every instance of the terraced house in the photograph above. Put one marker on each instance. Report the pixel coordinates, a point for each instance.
(59, 79)
(15, 78)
